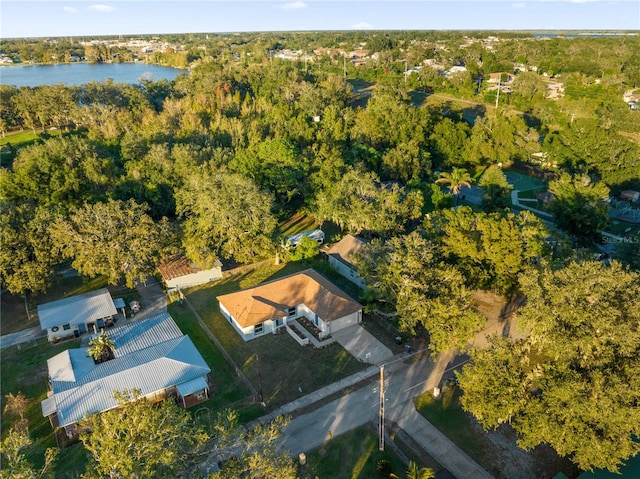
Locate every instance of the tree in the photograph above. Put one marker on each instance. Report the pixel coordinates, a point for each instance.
(496, 189)
(27, 255)
(578, 206)
(359, 203)
(13, 458)
(16, 404)
(409, 272)
(116, 239)
(416, 472)
(101, 348)
(226, 215)
(573, 382)
(140, 439)
(255, 453)
(307, 248)
(489, 249)
(455, 180)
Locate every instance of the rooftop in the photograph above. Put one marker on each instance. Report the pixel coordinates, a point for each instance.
(271, 300)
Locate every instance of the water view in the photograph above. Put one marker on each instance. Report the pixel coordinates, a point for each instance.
(81, 73)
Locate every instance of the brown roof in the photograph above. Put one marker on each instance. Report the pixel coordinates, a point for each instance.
(346, 247)
(271, 300)
(178, 265)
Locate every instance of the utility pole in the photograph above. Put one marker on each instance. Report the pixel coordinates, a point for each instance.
(405, 73)
(498, 96)
(344, 64)
(381, 418)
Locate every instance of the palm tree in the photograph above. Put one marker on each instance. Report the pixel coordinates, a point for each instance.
(415, 472)
(458, 178)
(101, 348)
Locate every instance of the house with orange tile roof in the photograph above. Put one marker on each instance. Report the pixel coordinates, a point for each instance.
(268, 307)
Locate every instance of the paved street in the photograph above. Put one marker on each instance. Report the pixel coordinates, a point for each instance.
(404, 379)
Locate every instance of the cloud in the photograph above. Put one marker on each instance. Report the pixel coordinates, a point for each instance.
(292, 5)
(100, 8)
(519, 5)
(362, 26)
(69, 10)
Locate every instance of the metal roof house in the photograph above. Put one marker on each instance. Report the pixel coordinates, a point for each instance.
(269, 306)
(340, 254)
(76, 315)
(179, 273)
(151, 355)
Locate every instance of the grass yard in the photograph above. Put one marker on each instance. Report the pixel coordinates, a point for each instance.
(353, 455)
(275, 364)
(230, 391)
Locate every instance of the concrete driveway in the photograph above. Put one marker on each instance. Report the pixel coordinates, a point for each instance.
(362, 345)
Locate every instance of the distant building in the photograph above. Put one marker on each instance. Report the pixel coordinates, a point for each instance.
(630, 195)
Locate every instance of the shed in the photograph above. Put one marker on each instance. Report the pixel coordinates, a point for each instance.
(180, 273)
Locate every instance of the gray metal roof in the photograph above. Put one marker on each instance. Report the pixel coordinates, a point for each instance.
(190, 387)
(149, 369)
(77, 309)
(143, 334)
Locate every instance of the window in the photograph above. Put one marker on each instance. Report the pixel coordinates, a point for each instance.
(66, 327)
(291, 311)
(258, 329)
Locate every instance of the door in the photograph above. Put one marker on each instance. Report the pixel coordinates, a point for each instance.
(82, 328)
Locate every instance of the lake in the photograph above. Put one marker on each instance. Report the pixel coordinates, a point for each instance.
(81, 73)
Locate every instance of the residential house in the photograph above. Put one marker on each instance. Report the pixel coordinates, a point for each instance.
(75, 315)
(267, 307)
(340, 254)
(151, 355)
(180, 273)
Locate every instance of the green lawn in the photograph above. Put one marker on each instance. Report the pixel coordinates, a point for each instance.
(230, 391)
(18, 139)
(447, 415)
(275, 364)
(353, 455)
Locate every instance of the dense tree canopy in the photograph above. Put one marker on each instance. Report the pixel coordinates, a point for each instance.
(573, 381)
(140, 439)
(579, 205)
(116, 239)
(359, 203)
(410, 272)
(226, 215)
(490, 249)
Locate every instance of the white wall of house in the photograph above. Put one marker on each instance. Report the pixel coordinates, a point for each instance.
(346, 271)
(271, 326)
(194, 279)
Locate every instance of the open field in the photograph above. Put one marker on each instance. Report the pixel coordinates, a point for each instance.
(279, 369)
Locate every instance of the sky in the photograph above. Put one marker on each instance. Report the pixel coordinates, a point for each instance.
(59, 18)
